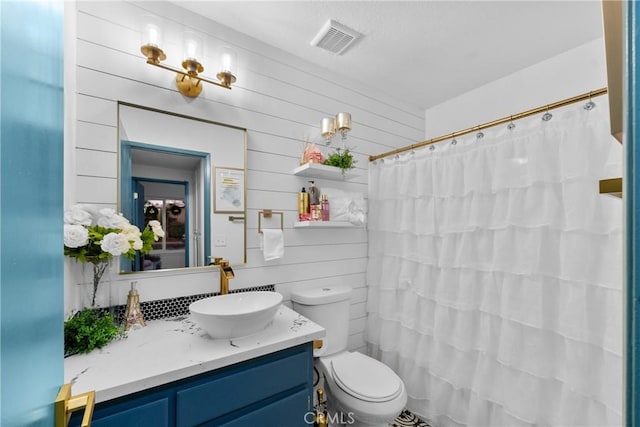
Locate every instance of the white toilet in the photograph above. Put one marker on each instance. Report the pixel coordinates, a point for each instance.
(361, 391)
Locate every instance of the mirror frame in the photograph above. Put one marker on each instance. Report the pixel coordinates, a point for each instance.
(208, 197)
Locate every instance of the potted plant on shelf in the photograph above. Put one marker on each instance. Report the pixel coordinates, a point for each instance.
(341, 158)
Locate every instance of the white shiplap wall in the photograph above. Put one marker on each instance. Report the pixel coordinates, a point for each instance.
(578, 70)
(278, 98)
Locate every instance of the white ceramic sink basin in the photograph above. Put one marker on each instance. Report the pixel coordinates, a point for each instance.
(236, 315)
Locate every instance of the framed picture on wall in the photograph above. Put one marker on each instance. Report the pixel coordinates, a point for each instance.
(229, 190)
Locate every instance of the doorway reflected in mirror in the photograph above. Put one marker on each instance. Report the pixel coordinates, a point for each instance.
(171, 251)
(163, 184)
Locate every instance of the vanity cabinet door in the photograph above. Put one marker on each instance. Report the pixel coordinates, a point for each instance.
(231, 393)
(153, 414)
(140, 411)
(290, 411)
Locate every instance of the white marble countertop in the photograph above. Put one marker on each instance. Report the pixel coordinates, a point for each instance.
(171, 349)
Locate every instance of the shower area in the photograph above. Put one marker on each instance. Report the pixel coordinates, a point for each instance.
(495, 272)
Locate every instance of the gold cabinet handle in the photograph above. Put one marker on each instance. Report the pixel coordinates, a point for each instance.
(66, 404)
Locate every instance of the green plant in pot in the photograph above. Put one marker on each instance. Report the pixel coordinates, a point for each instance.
(89, 329)
(341, 158)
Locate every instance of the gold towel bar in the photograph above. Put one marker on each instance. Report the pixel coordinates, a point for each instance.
(268, 213)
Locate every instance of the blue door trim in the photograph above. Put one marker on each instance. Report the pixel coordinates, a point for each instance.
(126, 199)
(632, 217)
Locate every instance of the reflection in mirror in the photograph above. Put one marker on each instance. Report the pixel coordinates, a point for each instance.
(166, 169)
(164, 184)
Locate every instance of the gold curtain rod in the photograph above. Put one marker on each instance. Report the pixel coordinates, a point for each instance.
(564, 102)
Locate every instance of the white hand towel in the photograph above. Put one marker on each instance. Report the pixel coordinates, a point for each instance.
(272, 244)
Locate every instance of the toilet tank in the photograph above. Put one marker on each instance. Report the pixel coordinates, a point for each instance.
(328, 307)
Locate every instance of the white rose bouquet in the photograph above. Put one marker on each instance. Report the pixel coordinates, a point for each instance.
(97, 235)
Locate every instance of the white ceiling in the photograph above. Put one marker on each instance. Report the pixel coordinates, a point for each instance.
(422, 52)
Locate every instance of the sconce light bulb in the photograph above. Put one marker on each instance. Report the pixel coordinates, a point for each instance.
(191, 49)
(228, 64)
(227, 61)
(153, 35)
(151, 26)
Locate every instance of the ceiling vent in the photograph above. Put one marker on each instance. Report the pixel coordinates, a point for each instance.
(335, 37)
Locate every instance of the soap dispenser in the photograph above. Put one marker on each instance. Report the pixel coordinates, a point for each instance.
(133, 314)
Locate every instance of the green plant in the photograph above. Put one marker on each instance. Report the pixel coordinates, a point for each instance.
(88, 329)
(341, 158)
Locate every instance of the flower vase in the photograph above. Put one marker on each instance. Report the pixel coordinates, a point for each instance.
(97, 284)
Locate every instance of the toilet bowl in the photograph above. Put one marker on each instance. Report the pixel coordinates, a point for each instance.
(360, 390)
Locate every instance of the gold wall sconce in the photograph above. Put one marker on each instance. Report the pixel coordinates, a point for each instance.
(330, 125)
(188, 78)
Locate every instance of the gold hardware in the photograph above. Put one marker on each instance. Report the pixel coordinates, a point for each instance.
(268, 213)
(180, 72)
(236, 218)
(188, 86)
(558, 104)
(317, 344)
(226, 273)
(612, 187)
(66, 404)
(321, 417)
(614, 50)
(188, 77)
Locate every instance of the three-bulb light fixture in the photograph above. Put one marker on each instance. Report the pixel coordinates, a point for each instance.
(330, 125)
(188, 79)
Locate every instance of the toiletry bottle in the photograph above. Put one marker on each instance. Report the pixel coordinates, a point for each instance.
(303, 205)
(314, 202)
(324, 207)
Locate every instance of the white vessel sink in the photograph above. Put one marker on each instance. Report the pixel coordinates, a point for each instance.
(236, 315)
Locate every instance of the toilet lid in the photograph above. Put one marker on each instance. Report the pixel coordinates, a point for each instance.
(365, 378)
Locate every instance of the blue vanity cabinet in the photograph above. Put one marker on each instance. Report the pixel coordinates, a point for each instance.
(271, 390)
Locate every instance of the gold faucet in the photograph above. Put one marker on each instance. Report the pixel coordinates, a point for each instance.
(226, 273)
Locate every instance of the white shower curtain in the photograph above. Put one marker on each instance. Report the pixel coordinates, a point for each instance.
(495, 274)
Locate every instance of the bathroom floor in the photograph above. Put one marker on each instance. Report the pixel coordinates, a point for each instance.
(407, 419)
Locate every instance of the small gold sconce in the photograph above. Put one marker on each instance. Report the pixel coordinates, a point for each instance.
(188, 79)
(330, 125)
(328, 128)
(343, 124)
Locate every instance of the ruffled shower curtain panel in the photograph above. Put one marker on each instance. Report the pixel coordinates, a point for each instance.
(495, 275)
